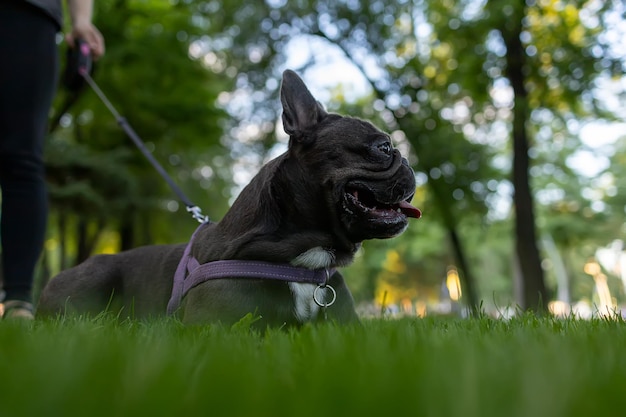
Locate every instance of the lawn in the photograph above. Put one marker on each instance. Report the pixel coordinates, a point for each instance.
(428, 367)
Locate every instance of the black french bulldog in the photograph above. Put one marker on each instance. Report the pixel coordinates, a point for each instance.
(339, 183)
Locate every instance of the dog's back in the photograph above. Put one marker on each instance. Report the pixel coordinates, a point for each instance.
(115, 282)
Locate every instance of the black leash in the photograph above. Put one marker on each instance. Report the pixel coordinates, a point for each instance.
(79, 64)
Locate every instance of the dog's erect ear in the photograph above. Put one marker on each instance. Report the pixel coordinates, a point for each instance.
(300, 109)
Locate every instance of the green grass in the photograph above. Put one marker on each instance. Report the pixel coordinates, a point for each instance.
(431, 367)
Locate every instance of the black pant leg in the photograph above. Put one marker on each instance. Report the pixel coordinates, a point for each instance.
(28, 78)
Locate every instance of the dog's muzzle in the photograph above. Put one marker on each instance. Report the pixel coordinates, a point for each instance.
(379, 208)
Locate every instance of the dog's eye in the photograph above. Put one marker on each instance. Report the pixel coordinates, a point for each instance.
(385, 148)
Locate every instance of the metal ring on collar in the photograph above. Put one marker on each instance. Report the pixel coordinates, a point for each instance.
(318, 302)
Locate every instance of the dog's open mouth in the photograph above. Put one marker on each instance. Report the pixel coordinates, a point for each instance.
(365, 201)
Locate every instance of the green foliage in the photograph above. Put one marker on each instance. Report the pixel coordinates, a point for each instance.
(483, 367)
(94, 170)
(81, 181)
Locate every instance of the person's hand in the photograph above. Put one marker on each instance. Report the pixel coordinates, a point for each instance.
(86, 31)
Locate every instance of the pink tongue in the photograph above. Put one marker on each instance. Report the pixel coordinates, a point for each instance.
(409, 210)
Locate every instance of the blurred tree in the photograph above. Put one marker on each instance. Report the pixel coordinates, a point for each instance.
(533, 292)
(610, 188)
(543, 42)
(99, 181)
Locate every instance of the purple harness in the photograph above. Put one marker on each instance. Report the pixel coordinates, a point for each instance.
(190, 273)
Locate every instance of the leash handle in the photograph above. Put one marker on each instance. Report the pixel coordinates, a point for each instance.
(78, 62)
(83, 67)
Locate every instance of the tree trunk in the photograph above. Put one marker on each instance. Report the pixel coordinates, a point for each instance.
(563, 292)
(127, 233)
(43, 277)
(82, 251)
(468, 283)
(63, 240)
(533, 296)
(86, 241)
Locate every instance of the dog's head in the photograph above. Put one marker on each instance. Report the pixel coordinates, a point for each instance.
(362, 185)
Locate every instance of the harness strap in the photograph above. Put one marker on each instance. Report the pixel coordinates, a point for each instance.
(191, 273)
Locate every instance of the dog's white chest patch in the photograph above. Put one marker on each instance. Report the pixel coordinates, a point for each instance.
(306, 308)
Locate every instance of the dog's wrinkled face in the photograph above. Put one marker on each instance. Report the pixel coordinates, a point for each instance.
(367, 181)
(367, 185)
(374, 198)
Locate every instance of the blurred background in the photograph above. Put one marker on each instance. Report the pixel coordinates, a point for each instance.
(512, 113)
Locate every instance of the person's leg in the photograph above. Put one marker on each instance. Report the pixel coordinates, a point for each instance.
(28, 77)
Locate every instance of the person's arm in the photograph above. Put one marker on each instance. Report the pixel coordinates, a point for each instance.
(80, 15)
